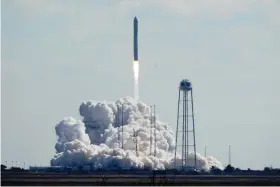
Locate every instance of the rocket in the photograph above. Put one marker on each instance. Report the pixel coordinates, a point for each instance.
(135, 39)
(135, 58)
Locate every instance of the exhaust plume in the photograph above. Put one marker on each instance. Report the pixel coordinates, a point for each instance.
(136, 78)
(94, 140)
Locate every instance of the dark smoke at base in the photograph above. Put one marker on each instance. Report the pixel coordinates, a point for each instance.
(94, 141)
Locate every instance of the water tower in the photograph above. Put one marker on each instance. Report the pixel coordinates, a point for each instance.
(185, 126)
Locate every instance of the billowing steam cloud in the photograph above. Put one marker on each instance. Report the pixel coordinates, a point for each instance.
(95, 139)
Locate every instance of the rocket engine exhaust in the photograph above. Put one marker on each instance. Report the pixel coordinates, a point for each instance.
(135, 59)
(136, 77)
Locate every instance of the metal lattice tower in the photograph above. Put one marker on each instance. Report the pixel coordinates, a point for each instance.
(155, 134)
(229, 154)
(135, 140)
(122, 126)
(118, 125)
(185, 125)
(151, 130)
(153, 140)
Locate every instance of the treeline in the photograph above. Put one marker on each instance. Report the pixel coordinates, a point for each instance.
(13, 169)
(228, 170)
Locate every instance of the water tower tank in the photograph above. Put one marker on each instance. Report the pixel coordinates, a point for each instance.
(185, 85)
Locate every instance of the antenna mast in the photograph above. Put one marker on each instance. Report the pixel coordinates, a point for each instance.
(118, 125)
(135, 140)
(229, 155)
(151, 130)
(155, 136)
(122, 126)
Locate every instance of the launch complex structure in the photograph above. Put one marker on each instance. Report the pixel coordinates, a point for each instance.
(185, 128)
(119, 122)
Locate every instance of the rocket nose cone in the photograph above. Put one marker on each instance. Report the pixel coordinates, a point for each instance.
(135, 19)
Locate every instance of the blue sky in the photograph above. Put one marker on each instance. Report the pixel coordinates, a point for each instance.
(56, 54)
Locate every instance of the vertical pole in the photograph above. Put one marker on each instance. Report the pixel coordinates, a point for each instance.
(184, 131)
(193, 130)
(229, 155)
(205, 151)
(187, 123)
(122, 126)
(155, 145)
(119, 121)
(136, 136)
(118, 124)
(151, 130)
(178, 111)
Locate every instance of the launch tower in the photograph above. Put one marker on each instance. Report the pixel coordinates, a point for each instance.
(185, 126)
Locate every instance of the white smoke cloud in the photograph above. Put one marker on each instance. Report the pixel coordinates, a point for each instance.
(95, 140)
